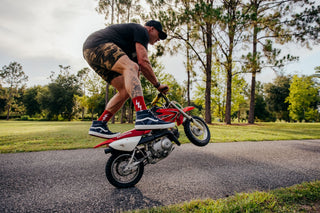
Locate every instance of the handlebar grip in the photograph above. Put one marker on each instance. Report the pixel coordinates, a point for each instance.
(164, 89)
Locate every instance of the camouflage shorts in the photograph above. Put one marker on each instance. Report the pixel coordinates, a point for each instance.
(102, 58)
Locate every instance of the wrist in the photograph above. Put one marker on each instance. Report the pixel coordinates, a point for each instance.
(157, 85)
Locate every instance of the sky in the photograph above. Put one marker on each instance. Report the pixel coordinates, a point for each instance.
(43, 34)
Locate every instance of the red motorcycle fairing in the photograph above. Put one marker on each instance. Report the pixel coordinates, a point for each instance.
(172, 115)
(128, 134)
(188, 108)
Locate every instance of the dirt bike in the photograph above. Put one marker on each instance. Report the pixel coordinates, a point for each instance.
(132, 150)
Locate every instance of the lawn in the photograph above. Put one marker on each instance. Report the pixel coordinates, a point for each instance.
(26, 136)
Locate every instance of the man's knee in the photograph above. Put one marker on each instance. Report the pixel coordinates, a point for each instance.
(133, 68)
(125, 96)
(126, 65)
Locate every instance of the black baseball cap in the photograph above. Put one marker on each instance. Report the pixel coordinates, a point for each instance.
(157, 25)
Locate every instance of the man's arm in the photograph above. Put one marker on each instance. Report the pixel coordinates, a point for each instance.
(145, 65)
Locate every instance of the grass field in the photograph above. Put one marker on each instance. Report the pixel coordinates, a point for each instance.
(27, 136)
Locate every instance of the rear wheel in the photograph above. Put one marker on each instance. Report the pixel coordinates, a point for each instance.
(120, 173)
(197, 136)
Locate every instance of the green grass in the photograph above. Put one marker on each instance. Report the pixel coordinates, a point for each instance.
(264, 132)
(27, 136)
(304, 197)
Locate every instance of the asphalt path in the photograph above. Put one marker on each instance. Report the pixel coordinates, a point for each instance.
(74, 180)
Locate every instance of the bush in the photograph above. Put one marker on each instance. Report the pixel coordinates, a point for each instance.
(25, 118)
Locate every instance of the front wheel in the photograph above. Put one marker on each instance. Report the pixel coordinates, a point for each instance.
(120, 173)
(197, 136)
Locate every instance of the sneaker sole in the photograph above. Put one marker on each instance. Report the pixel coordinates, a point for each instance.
(149, 127)
(99, 135)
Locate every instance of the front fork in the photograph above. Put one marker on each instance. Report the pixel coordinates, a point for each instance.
(186, 116)
(172, 103)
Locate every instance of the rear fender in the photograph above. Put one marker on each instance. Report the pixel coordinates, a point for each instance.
(104, 143)
(125, 144)
(128, 134)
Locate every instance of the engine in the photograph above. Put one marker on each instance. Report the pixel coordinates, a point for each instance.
(160, 149)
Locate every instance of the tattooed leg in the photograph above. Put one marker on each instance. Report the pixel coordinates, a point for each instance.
(136, 89)
(130, 72)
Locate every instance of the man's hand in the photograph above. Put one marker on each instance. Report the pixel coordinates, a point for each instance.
(163, 88)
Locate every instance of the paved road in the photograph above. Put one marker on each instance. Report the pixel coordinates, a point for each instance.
(74, 181)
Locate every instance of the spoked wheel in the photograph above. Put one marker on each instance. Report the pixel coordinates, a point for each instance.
(120, 173)
(199, 137)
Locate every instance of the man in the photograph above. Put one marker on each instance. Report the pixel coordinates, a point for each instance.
(116, 53)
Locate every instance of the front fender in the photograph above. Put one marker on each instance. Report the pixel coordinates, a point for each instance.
(188, 108)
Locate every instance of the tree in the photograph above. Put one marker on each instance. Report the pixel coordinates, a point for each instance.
(94, 85)
(317, 72)
(31, 101)
(178, 26)
(3, 99)
(203, 20)
(276, 94)
(232, 19)
(190, 23)
(239, 101)
(59, 96)
(303, 99)
(219, 90)
(261, 112)
(277, 22)
(82, 76)
(14, 77)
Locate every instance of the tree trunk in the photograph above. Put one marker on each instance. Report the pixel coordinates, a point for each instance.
(123, 114)
(9, 104)
(208, 74)
(188, 68)
(254, 69)
(252, 99)
(8, 111)
(82, 113)
(130, 112)
(228, 99)
(188, 80)
(107, 94)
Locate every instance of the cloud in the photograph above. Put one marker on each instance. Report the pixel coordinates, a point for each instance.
(41, 34)
(34, 28)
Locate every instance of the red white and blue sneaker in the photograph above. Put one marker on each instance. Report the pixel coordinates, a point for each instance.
(100, 129)
(146, 120)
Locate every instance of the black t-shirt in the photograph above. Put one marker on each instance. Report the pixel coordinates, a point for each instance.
(123, 35)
